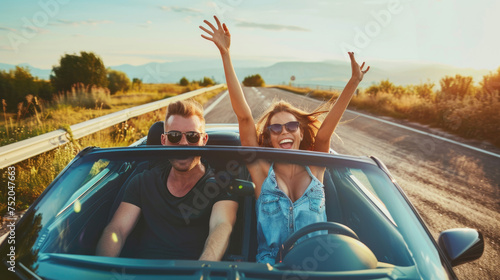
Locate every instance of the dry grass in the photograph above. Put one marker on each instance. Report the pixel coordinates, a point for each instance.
(34, 174)
(474, 117)
(76, 106)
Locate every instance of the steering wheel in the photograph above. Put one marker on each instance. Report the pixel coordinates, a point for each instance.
(334, 228)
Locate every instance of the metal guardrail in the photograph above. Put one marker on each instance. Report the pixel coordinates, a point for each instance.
(19, 151)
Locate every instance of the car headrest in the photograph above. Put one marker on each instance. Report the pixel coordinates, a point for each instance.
(225, 138)
(154, 134)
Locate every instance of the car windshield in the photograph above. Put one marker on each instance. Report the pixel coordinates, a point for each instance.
(64, 226)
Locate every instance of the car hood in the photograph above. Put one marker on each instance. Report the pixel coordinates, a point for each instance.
(59, 266)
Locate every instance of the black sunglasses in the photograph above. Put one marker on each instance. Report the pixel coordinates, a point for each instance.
(289, 126)
(175, 136)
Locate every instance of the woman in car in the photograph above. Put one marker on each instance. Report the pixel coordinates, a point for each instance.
(289, 196)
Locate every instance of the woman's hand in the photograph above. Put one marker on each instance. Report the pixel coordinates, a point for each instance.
(357, 72)
(325, 132)
(220, 35)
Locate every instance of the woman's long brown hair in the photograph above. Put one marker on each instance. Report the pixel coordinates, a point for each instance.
(309, 123)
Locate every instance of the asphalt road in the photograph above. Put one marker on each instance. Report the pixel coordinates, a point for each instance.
(452, 186)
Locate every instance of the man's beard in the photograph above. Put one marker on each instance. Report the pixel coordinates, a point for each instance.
(185, 164)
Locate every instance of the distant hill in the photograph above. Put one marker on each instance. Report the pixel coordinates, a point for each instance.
(43, 74)
(331, 73)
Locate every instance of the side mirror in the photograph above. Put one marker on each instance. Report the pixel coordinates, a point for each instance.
(461, 245)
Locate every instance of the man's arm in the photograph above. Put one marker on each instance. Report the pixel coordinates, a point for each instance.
(222, 220)
(115, 234)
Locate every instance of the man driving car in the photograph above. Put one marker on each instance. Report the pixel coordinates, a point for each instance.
(180, 221)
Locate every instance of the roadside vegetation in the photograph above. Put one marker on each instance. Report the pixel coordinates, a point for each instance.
(79, 89)
(254, 81)
(457, 106)
(36, 114)
(33, 175)
(32, 107)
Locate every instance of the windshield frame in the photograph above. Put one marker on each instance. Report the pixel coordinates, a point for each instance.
(243, 154)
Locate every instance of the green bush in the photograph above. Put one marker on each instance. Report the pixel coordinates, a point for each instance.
(17, 84)
(207, 82)
(136, 84)
(184, 81)
(254, 81)
(117, 81)
(86, 68)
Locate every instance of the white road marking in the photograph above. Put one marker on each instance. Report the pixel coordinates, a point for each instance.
(425, 133)
(212, 106)
(384, 121)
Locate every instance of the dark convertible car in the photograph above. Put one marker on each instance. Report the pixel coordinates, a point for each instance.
(374, 232)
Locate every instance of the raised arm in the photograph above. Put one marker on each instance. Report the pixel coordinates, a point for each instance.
(222, 39)
(325, 132)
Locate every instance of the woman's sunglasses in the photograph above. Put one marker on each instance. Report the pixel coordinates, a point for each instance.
(289, 126)
(175, 136)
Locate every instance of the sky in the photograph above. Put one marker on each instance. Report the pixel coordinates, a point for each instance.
(458, 33)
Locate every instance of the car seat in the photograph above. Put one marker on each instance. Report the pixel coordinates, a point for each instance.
(225, 138)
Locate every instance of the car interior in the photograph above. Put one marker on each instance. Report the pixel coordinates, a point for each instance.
(75, 237)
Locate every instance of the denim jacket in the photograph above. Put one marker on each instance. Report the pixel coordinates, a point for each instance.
(278, 217)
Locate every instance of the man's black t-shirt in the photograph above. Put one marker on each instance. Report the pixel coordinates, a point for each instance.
(175, 227)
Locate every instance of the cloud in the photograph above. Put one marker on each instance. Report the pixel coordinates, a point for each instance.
(147, 24)
(6, 48)
(96, 22)
(270, 26)
(63, 22)
(38, 29)
(182, 10)
(8, 29)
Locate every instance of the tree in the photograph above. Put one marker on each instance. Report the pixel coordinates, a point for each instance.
(253, 81)
(136, 84)
(117, 81)
(18, 83)
(7, 91)
(86, 68)
(207, 82)
(45, 89)
(184, 81)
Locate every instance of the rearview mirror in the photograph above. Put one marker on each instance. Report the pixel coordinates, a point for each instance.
(461, 245)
